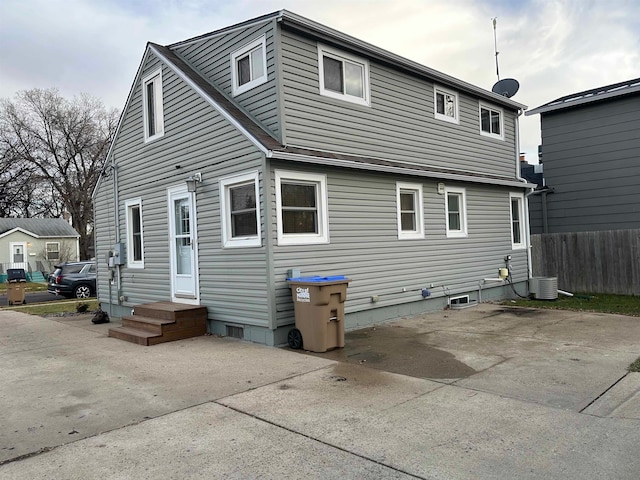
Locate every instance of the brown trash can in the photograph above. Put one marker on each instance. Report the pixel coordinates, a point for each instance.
(16, 286)
(319, 312)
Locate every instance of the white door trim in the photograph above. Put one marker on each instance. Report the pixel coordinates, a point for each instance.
(176, 192)
(25, 259)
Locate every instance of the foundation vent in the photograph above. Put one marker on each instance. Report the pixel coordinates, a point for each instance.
(235, 332)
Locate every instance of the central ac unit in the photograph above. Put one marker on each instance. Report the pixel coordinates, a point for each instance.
(543, 288)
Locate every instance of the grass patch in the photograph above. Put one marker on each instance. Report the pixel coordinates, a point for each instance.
(29, 286)
(603, 303)
(635, 366)
(55, 308)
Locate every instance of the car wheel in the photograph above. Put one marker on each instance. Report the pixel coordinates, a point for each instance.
(82, 291)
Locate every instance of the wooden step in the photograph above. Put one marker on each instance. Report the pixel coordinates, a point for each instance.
(170, 310)
(160, 322)
(132, 335)
(148, 324)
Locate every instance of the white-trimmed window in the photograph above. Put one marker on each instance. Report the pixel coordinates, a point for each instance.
(301, 202)
(343, 76)
(53, 250)
(446, 105)
(455, 210)
(153, 113)
(518, 233)
(249, 66)
(410, 213)
(491, 122)
(239, 202)
(135, 239)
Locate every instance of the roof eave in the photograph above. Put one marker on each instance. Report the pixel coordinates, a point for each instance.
(402, 170)
(553, 106)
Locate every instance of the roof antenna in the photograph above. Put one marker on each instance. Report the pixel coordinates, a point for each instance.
(507, 87)
(495, 46)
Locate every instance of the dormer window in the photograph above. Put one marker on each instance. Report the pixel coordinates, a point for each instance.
(491, 122)
(343, 76)
(152, 106)
(446, 105)
(249, 66)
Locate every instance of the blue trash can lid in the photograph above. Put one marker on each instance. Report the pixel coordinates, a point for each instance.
(318, 279)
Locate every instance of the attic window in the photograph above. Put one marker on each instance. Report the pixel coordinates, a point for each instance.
(343, 76)
(491, 122)
(446, 105)
(152, 106)
(249, 66)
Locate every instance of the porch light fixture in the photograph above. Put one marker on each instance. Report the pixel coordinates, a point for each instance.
(192, 182)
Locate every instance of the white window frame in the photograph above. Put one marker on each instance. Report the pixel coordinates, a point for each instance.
(416, 189)
(444, 91)
(323, 51)
(491, 109)
(246, 50)
(521, 212)
(322, 236)
(129, 204)
(463, 211)
(226, 184)
(47, 251)
(155, 78)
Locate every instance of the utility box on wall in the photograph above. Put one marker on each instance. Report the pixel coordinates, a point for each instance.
(117, 254)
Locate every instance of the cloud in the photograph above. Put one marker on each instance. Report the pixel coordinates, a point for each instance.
(552, 47)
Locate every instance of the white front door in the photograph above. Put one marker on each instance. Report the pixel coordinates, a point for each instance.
(18, 251)
(183, 246)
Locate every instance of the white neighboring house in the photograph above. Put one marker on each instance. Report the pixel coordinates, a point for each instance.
(36, 244)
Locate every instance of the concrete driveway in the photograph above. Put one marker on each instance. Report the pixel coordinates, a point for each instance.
(487, 392)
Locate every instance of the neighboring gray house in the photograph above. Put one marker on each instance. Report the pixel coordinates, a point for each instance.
(312, 150)
(591, 155)
(36, 245)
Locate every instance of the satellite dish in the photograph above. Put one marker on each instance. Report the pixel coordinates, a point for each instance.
(507, 87)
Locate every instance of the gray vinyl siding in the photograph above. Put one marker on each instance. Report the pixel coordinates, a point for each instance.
(212, 58)
(399, 124)
(591, 161)
(104, 233)
(364, 243)
(233, 282)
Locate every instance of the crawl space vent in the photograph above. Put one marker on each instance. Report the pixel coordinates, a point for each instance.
(235, 332)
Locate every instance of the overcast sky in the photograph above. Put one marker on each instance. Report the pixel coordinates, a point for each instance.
(553, 48)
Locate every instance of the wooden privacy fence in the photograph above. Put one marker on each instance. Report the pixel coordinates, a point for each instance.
(591, 262)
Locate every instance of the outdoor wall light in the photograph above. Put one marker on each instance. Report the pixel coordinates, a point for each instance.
(192, 181)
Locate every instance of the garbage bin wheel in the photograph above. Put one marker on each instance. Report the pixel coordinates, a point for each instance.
(295, 339)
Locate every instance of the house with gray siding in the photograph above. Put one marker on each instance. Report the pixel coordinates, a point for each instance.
(591, 154)
(280, 145)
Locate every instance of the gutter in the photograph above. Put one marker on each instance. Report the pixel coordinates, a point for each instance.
(324, 161)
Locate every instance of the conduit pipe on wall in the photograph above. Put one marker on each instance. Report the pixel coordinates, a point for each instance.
(486, 280)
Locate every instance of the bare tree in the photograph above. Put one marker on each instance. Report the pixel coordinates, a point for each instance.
(63, 143)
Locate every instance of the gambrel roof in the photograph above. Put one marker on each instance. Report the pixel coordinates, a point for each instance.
(38, 227)
(589, 96)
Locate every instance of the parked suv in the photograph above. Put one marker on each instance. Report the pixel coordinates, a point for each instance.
(74, 279)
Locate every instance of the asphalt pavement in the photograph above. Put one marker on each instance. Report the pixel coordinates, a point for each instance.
(486, 393)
